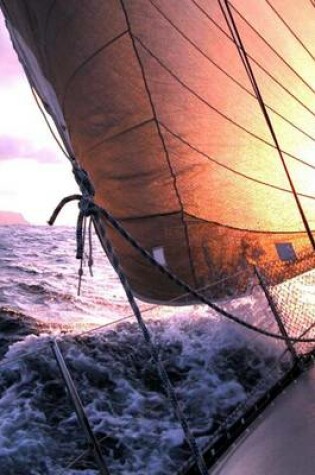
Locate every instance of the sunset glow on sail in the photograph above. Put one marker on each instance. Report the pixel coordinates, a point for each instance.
(196, 125)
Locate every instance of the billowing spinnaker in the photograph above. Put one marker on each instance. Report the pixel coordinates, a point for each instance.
(154, 101)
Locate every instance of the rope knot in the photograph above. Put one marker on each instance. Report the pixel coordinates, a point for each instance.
(87, 209)
(86, 205)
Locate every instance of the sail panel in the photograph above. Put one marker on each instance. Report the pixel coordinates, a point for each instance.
(66, 63)
(127, 185)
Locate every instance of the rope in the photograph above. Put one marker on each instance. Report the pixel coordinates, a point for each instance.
(87, 209)
(81, 233)
(54, 135)
(90, 255)
(96, 210)
(169, 389)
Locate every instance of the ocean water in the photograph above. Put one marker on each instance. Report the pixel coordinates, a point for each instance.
(213, 364)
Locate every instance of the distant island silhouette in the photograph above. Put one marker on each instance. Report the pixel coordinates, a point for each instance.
(11, 217)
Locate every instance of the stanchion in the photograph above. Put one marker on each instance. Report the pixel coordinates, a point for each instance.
(79, 409)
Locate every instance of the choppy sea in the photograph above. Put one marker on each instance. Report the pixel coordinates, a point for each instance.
(213, 364)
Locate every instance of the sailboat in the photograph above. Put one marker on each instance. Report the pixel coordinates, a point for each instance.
(153, 101)
(190, 126)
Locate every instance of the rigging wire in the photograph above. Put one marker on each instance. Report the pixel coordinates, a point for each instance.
(258, 64)
(290, 30)
(272, 48)
(218, 111)
(63, 152)
(168, 386)
(94, 210)
(238, 41)
(232, 78)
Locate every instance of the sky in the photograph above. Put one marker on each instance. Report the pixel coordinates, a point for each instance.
(34, 174)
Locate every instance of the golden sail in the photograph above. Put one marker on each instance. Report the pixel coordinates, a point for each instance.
(197, 132)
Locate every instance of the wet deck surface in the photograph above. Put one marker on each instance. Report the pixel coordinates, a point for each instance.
(282, 440)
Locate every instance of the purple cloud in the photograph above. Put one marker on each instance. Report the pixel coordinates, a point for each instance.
(15, 147)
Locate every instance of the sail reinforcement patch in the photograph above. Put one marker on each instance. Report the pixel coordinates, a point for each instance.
(159, 256)
(286, 251)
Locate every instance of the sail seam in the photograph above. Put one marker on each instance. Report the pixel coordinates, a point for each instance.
(119, 134)
(133, 38)
(232, 170)
(272, 49)
(209, 221)
(149, 216)
(242, 52)
(233, 79)
(249, 230)
(290, 30)
(204, 101)
(86, 61)
(260, 66)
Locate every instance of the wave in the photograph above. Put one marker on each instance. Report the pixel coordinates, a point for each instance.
(15, 325)
(123, 396)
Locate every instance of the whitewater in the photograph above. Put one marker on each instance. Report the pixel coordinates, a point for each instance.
(213, 364)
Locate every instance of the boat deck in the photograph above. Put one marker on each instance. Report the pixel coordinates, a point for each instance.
(282, 440)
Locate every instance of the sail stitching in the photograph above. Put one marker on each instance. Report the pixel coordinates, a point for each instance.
(233, 79)
(242, 52)
(232, 170)
(87, 61)
(133, 37)
(272, 48)
(119, 134)
(290, 30)
(204, 101)
(260, 66)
